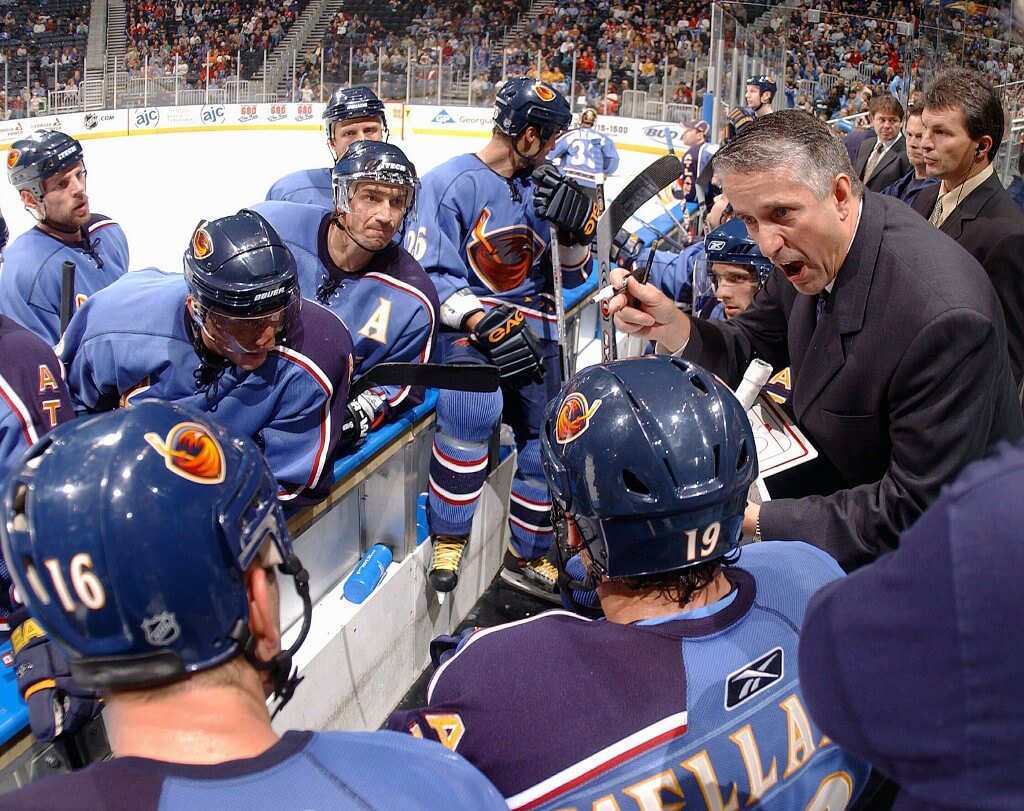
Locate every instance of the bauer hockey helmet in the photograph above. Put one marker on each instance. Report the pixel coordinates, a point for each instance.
(40, 156)
(588, 117)
(127, 534)
(764, 83)
(240, 271)
(652, 458)
(374, 162)
(731, 243)
(522, 102)
(351, 103)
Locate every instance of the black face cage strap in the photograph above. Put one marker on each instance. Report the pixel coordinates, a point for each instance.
(285, 677)
(567, 584)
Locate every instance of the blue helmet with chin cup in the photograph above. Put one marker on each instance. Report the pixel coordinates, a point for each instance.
(764, 83)
(127, 535)
(374, 162)
(36, 158)
(522, 102)
(651, 458)
(731, 243)
(239, 265)
(349, 104)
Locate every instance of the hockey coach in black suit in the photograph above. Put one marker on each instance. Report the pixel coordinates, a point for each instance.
(963, 121)
(894, 334)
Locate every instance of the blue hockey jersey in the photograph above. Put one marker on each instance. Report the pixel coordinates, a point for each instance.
(31, 276)
(477, 231)
(133, 341)
(390, 306)
(337, 770)
(583, 153)
(311, 187)
(702, 708)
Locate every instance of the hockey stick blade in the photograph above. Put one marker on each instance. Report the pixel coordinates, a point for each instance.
(428, 375)
(664, 171)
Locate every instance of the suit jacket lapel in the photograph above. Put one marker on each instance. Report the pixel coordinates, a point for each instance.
(969, 208)
(820, 346)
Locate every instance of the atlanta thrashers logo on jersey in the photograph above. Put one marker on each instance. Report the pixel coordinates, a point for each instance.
(502, 258)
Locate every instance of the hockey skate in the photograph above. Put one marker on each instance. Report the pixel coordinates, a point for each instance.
(538, 577)
(446, 560)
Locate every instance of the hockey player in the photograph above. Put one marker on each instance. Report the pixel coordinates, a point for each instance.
(352, 114)
(48, 170)
(346, 257)
(689, 688)
(231, 337)
(584, 154)
(736, 270)
(759, 94)
(486, 250)
(149, 544)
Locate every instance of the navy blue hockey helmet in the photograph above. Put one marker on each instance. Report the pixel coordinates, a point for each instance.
(351, 103)
(40, 156)
(127, 534)
(522, 102)
(731, 243)
(652, 458)
(764, 83)
(374, 162)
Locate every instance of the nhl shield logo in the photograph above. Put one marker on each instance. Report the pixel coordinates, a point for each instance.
(190, 451)
(161, 629)
(574, 417)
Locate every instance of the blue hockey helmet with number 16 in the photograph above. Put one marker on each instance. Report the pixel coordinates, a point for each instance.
(651, 458)
(127, 535)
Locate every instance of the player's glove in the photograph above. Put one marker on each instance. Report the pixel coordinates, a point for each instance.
(57, 704)
(563, 202)
(511, 345)
(626, 247)
(365, 413)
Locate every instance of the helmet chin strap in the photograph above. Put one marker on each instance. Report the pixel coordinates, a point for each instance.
(341, 227)
(38, 213)
(531, 160)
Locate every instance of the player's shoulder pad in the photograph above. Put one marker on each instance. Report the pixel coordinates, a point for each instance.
(23, 347)
(323, 338)
(792, 566)
(294, 222)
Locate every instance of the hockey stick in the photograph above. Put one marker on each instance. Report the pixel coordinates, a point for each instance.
(467, 377)
(556, 275)
(663, 237)
(67, 294)
(640, 189)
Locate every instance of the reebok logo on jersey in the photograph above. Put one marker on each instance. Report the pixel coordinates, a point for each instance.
(753, 678)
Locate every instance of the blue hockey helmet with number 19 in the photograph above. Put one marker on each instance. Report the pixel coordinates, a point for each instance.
(651, 458)
(127, 535)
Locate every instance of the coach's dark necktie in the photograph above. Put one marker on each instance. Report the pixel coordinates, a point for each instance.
(822, 297)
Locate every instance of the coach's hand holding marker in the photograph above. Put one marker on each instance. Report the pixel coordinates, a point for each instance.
(643, 310)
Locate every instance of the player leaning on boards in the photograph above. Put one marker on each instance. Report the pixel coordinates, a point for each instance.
(483, 237)
(48, 170)
(352, 114)
(689, 689)
(148, 542)
(347, 259)
(897, 399)
(231, 337)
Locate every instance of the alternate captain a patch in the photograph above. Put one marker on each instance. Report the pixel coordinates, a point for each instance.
(503, 257)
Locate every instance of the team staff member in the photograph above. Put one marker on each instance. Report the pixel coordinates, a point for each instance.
(913, 662)
(884, 160)
(161, 584)
(895, 338)
(963, 122)
(916, 179)
(692, 676)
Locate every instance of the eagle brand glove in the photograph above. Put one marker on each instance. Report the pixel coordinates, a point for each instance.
(57, 704)
(511, 344)
(563, 202)
(365, 413)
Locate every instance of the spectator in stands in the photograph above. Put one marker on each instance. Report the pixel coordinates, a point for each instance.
(908, 186)
(963, 120)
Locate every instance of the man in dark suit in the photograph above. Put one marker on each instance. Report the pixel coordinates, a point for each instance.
(883, 160)
(963, 122)
(894, 335)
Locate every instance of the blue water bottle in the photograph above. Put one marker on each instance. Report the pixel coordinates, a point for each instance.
(368, 573)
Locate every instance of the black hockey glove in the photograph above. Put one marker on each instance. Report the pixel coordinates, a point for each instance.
(563, 202)
(57, 704)
(626, 247)
(511, 345)
(365, 413)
